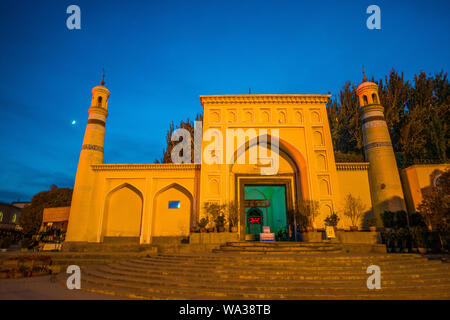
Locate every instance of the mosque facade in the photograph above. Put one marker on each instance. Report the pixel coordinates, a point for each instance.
(267, 153)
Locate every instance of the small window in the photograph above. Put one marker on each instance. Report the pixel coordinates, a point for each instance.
(174, 204)
(99, 101)
(1, 216)
(365, 101)
(374, 98)
(14, 218)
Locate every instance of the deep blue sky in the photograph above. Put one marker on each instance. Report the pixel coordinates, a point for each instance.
(159, 56)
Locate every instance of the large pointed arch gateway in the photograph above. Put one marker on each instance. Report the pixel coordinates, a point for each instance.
(123, 212)
(282, 191)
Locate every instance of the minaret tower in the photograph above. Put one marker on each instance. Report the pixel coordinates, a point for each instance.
(384, 179)
(91, 153)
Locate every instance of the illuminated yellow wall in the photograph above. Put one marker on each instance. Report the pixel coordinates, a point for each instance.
(171, 222)
(353, 178)
(417, 179)
(123, 213)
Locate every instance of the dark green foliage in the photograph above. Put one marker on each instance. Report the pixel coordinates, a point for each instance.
(189, 126)
(332, 220)
(31, 217)
(203, 222)
(395, 220)
(220, 221)
(417, 115)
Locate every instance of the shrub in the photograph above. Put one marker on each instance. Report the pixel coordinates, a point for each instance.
(372, 222)
(203, 222)
(220, 221)
(233, 214)
(332, 220)
(354, 209)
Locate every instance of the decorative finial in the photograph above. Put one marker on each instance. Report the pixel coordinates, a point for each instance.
(364, 74)
(103, 78)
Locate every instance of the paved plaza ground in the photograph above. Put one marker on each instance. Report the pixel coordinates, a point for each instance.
(43, 288)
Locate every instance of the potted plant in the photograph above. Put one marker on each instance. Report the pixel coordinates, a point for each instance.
(420, 237)
(203, 223)
(302, 222)
(233, 216)
(220, 223)
(214, 210)
(332, 221)
(403, 236)
(354, 209)
(387, 236)
(307, 212)
(388, 220)
(372, 222)
(396, 240)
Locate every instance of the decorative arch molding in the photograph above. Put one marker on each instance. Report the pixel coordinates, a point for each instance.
(125, 185)
(177, 186)
(108, 200)
(292, 155)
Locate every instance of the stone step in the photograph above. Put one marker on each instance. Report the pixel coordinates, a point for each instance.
(261, 286)
(278, 244)
(273, 250)
(301, 257)
(265, 286)
(274, 281)
(284, 274)
(142, 294)
(121, 240)
(163, 291)
(280, 264)
(235, 272)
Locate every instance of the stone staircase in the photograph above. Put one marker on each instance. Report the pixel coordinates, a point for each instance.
(239, 271)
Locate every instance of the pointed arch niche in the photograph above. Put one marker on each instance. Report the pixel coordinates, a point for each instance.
(123, 212)
(172, 221)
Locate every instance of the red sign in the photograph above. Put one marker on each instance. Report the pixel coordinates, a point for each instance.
(255, 220)
(257, 203)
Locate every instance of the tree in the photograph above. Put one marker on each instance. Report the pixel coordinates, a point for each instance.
(354, 209)
(189, 126)
(31, 217)
(306, 212)
(233, 213)
(417, 116)
(216, 211)
(345, 122)
(435, 206)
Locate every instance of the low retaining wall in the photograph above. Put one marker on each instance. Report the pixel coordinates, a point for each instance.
(361, 237)
(213, 238)
(358, 237)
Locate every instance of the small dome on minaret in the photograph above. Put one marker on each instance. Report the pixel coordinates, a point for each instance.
(367, 92)
(100, 95)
